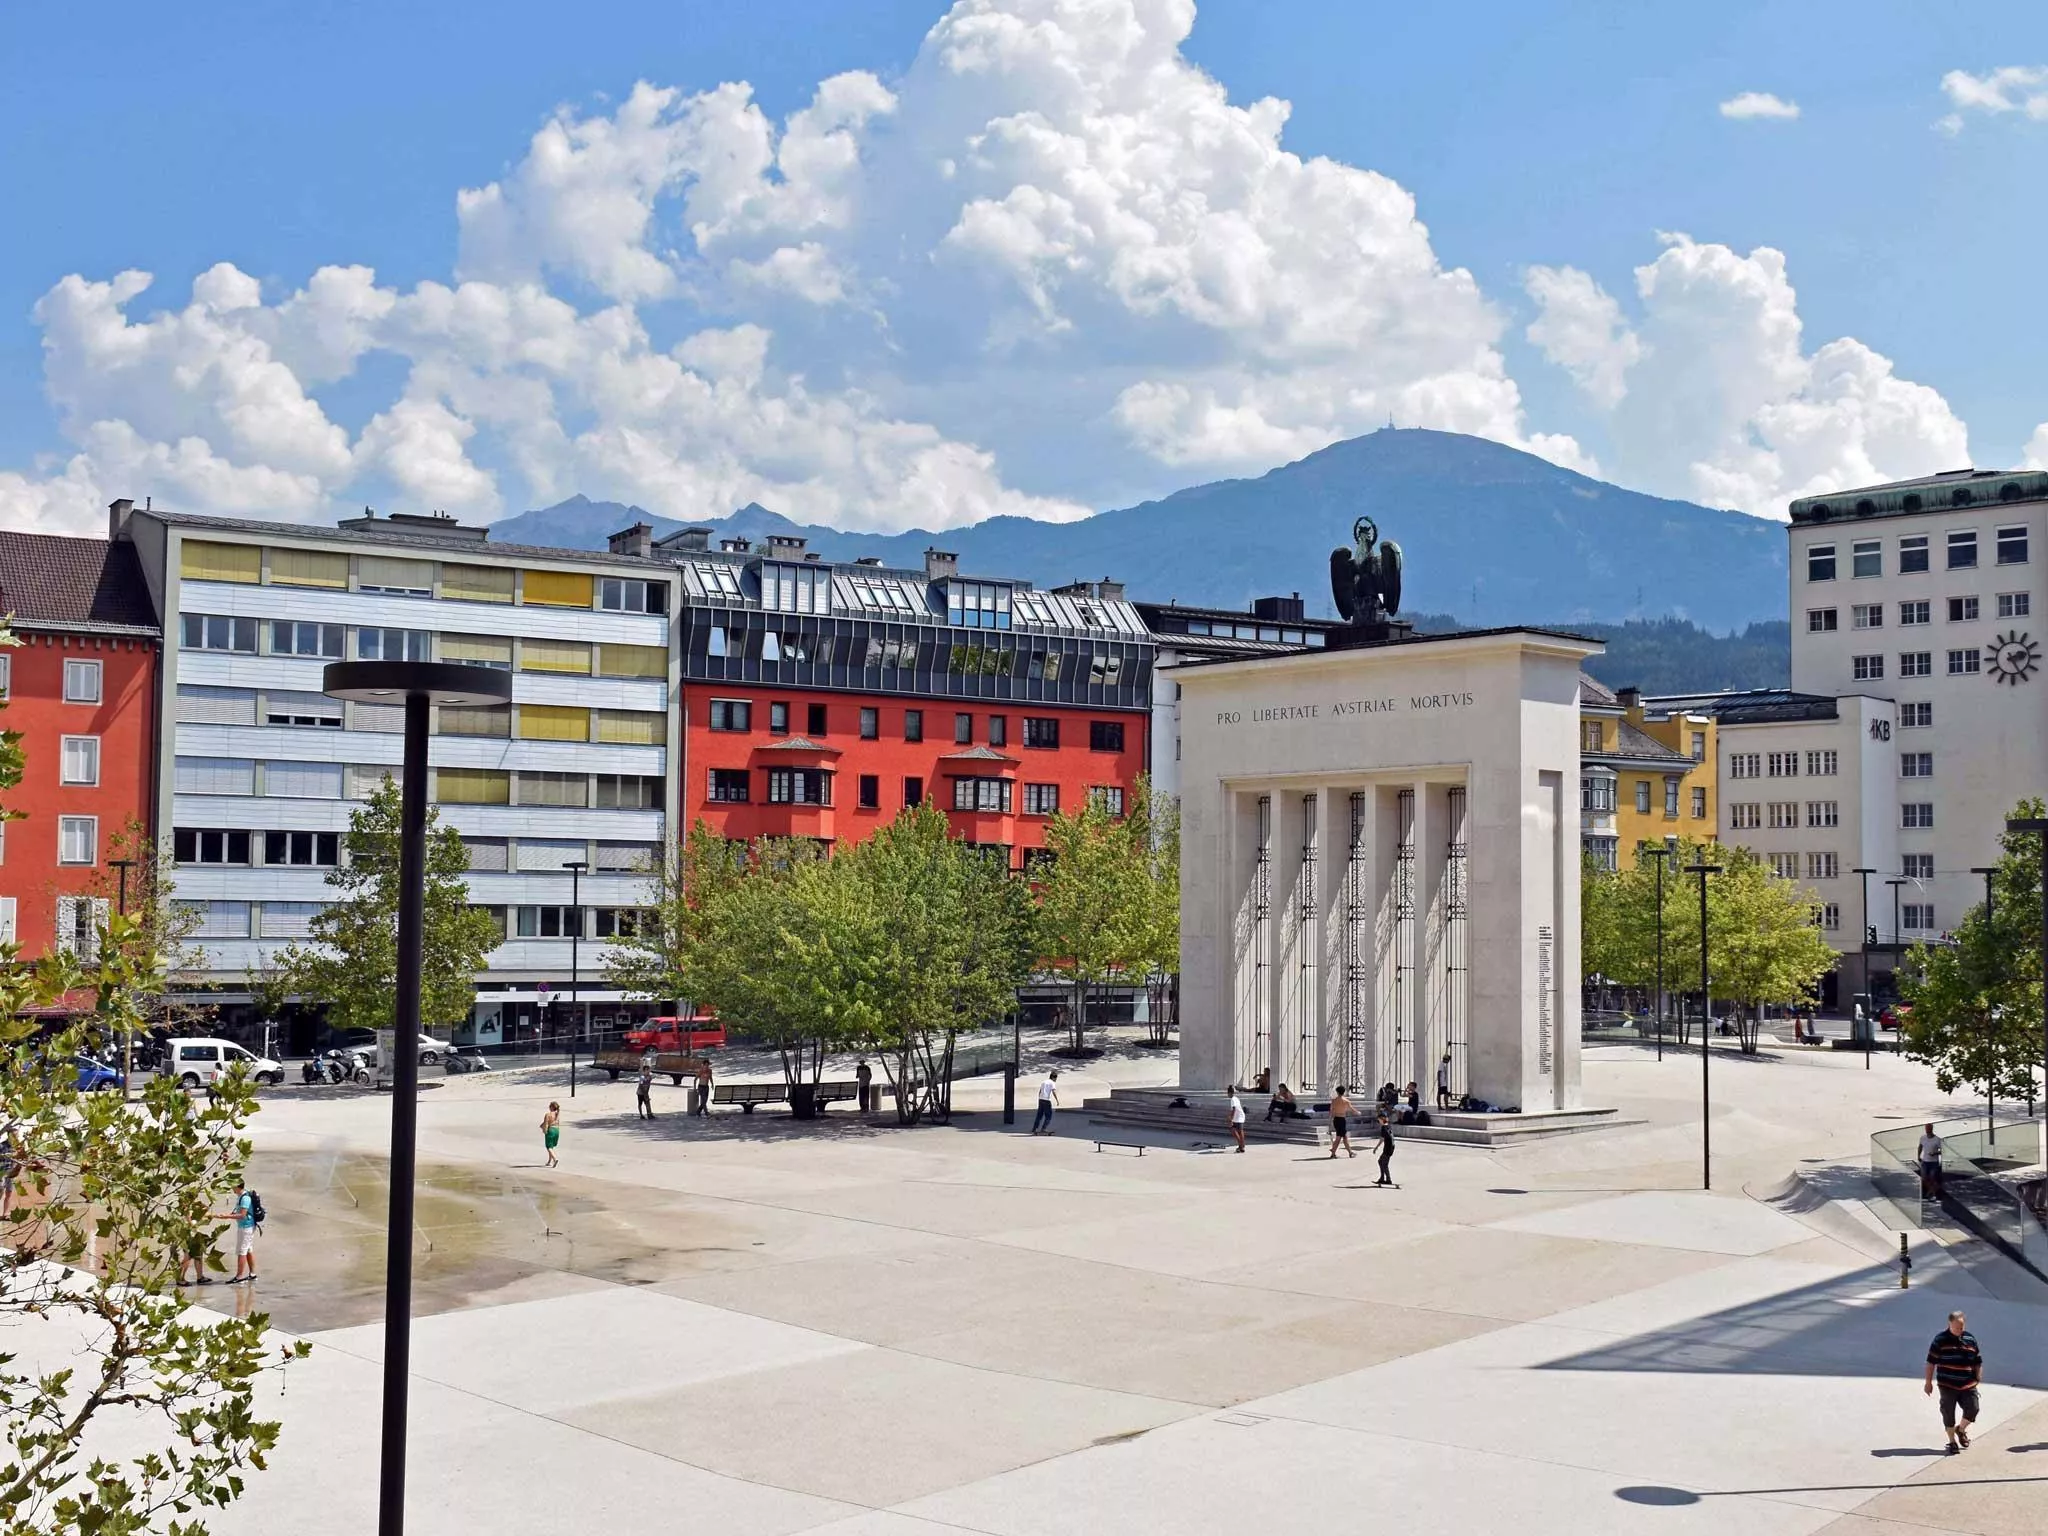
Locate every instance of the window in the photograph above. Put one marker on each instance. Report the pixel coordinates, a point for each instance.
(472, 786)
(978, 604)
(1917, 816)
(1589, 735)
(1916, 663)
(548, 855)
(4, 676)
(623, 660)
(570, 656)
(1867, 616)
(1041, 799)
(561, 789)
(394, 645)
(220, 920)
(1823, 813)
(1822, 621)
(1915, 612)
(1962, 550)
(1699, 746)
(628, 792)
(493, 651)
(982, 795)
(292, 639)
(1104, 669)
(1605, 852)
(490, 854)
(870, 724)
(1745, 817)
(476, 720)
(731, 715)
(557, 589)
(1671, 796)
(215, 776)
(1745, 765)
(1865, 558)
(1962, 610)
(477, 583)
(796, 588)
(2012, 546)
(547, 923)
(913, 791)
(199, 845)
(778, 718)
(963, 729)
(281, 707)
(289, 919)
(81, 760)
(1040, 731)
(1105, 735)
(1824, 764)
(1108, 797)
(1831, 916)
(628, 857)
(1916, 765)
(1784, 765)
(1866, 669)
(319, 850)
(1917, 866)
(623, 596)
(814, 720)
(1785, 865)
(81, 682)
(730, 786)
(1596, 792)
(386, 718)
(78, 839)
(620, 922)
(1784, 815)
(1918, 916)
(1820, 562)
(1823, 866)
(211, 632)
(913, 725)
(799, 786)
(2013, 605)
(303, 781)
(1919, 716)
(870, 791)
(1964, 663)
(1642, 797)
(1912, 553)
(400, 578)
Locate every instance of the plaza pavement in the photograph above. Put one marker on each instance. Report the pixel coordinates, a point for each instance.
(748, 1326)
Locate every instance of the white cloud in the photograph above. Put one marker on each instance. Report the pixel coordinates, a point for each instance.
(1712, 395)
(2021, 88)
(2036, 455)
(1755, 104)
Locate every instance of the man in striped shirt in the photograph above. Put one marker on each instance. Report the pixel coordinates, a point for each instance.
(1956, 1365)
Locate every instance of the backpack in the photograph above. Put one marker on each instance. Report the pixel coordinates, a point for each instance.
(256, 1211)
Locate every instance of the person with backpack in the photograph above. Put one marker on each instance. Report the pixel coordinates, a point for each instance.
(247, 1214)
(643, 1093)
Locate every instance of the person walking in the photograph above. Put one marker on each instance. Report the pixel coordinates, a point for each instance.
(1236, 1118)
(243, 1214)
(1048, 1101)
(1443, 1082)
(643, 1090)
(551, 1132)
(864, 1077)
(1386, 1152)
(1929, 1155)
(1340, 1122)
(1956, 1365)
(703, 1104)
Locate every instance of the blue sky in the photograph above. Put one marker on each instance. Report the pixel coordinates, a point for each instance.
(881, 355)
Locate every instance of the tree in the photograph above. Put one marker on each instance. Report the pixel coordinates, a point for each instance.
(1976, 1001)
(1155, 833)
(352, 962)
(1092, 909)
(654, 961)
(109, 1199)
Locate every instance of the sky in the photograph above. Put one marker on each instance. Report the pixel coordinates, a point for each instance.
(896, 264)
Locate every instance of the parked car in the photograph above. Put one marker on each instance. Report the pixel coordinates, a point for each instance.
(97, 1076)
(700, 1032)
(197, 1062)
(431, 1050)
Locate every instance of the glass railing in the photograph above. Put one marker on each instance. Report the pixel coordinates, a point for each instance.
(1977, 1163)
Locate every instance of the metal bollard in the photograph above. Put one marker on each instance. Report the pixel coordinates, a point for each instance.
(1010, 1093)
(1905, 1264)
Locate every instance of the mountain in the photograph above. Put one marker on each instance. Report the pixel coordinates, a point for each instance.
(1491, 534)
(1674, 655)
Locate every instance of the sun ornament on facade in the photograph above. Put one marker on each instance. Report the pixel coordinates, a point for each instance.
(2013, 658)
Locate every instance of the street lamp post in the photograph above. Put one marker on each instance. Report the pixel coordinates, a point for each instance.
(1660, 855)
(576, 868)
(1868, 933)
(1704, 869)
(1990, 1027)
(2039, 826)
(421, 684)
(121, 868)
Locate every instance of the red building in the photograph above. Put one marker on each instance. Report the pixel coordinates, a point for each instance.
(81, 688)
(820, 699)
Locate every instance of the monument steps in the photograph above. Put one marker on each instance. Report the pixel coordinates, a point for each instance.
(1206, 1116)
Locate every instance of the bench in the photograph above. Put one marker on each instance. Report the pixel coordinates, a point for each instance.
(747, 1095)
(1136, 1146)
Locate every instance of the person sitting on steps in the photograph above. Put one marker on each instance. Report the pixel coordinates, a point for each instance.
(1282, 1106)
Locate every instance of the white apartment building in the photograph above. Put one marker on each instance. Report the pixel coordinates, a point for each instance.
(259, 770)
(1922, 592)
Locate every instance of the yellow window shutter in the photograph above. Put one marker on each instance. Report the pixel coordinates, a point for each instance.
(558, 589)
(384, 574)
(477, 650)
(203, 560)
(633, 661)
(307, 568)
(477, 583)
(632, 727)
(473, 786)
(554, 656)
(553, 722)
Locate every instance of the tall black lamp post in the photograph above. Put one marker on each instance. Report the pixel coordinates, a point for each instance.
(1704, 869)
(421, 685)
(2039, 827)
(1869, 933)
(576, 868)
(122, 866)
(1990, 1027)
(1660, 855)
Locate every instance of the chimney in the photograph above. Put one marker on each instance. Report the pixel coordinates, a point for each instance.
(812, 554)
(869, 560)
(636, 540)
(735, 545)
(1109, 591)
(939, 564)
(786, 545)
(1278, 610)
(118, 513)
(1629, 698)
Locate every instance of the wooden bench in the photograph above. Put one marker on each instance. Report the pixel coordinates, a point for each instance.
(747, 1095)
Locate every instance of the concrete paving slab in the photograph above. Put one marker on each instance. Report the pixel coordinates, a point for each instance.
(1696, 1220)
(977, 1210)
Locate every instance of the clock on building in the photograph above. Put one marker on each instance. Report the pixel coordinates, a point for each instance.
(2012, 658)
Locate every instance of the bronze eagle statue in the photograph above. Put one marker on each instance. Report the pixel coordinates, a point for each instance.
(1366, 581)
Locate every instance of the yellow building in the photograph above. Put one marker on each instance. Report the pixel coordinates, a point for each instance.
(1645, 773)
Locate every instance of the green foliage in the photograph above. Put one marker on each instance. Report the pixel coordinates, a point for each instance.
(655, 962)
(352, 962)
(1976, 1002)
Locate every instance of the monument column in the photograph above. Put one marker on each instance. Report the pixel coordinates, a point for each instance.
(1429, 938)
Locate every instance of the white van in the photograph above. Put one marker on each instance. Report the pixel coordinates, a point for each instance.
(194, 1063)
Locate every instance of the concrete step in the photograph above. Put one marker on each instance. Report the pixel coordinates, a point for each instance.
(1206, 1116)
